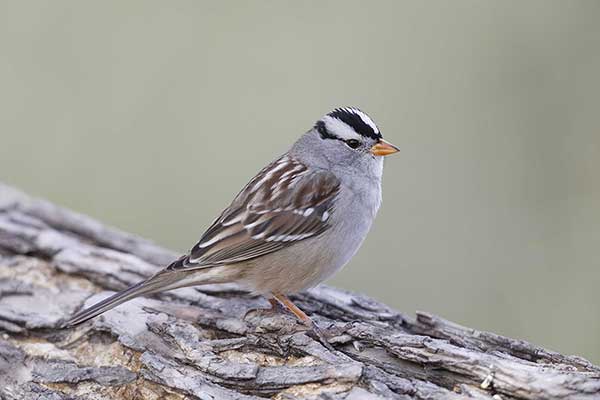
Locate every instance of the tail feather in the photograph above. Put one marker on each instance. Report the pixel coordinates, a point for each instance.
(154, 284)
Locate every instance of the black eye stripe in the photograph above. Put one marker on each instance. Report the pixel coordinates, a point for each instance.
(355, 122)
(322, 129)
(352, 117)
(325, 134)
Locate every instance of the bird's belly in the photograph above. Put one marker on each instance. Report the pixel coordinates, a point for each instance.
(306, 263)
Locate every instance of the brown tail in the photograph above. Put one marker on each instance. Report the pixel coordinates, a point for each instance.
(159, 282)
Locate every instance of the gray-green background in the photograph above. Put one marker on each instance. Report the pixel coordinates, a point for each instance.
(151, 115)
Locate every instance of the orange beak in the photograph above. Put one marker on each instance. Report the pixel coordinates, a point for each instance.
(383, 148)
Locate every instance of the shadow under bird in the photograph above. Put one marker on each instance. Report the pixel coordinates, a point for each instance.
(296, 223)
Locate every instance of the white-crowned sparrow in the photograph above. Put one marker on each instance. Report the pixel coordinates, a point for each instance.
(297, 222)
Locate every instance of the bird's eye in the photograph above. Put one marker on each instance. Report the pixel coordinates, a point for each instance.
(352, 143)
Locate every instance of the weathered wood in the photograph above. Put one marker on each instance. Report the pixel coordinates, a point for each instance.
(198, 343)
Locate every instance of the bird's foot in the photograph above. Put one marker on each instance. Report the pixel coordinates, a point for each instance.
(305, 319)
(319, 334)
(280, 304)
(276, 308)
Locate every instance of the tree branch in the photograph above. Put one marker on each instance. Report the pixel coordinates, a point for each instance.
(198, 343)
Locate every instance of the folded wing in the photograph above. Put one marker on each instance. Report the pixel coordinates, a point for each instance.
(284, 204)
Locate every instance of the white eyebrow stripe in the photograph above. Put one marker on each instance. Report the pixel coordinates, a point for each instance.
(366, 119)
(340, 129)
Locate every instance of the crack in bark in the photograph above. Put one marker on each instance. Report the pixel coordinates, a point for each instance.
(199, 342)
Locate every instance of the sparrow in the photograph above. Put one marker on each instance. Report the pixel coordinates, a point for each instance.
(295, 224)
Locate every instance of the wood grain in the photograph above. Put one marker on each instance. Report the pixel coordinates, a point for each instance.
(199, 342)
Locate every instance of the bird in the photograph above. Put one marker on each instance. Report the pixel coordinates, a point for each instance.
(297, 222)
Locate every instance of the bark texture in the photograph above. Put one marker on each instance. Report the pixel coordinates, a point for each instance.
(198, 342)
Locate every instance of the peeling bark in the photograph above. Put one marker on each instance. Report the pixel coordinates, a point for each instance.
(199, 342)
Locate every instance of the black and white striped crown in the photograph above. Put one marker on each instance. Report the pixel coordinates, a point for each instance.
(354, 118)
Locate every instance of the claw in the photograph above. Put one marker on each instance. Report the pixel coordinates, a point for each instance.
(275, 308)
(305, 319)
(320, 335)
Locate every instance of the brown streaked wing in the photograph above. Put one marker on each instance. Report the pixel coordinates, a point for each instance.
(285, 203)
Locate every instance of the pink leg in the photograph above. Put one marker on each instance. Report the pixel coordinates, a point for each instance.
(283, 299)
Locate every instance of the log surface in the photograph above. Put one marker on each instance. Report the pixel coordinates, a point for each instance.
(198, 343)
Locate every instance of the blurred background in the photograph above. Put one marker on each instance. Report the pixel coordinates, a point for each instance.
(151, 115)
